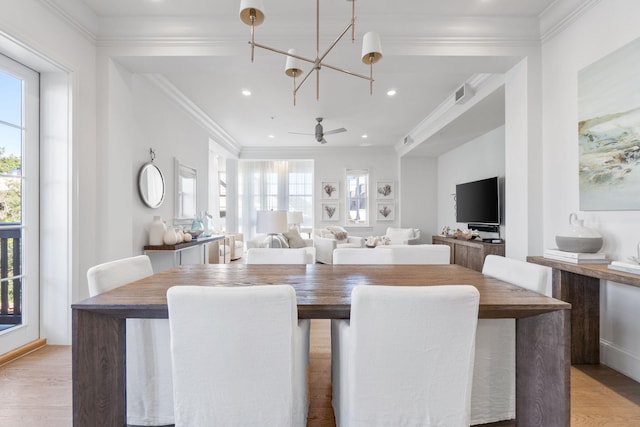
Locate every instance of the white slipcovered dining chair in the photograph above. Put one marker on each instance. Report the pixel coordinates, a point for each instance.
(239, 356)
(276, 256)
(149, 380)
(405, 357)
(419, 254)
(361, 256)
(493, 396)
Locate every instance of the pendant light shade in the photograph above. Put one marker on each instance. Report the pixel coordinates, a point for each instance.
(293, 66)
(246, 6)
(371, 48)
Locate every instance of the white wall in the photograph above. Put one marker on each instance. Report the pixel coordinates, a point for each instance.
(418, 195)
(607, 26)
(330, 164)
(480, 158)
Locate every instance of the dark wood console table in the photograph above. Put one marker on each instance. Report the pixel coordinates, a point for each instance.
(579, 284)
(469, 253)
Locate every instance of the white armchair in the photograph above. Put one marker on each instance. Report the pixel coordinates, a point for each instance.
(326, 241)
(403, 236)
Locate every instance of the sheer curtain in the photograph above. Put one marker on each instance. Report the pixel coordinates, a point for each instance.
(274, 184)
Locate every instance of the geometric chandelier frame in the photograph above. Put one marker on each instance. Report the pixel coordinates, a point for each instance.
(252, 14)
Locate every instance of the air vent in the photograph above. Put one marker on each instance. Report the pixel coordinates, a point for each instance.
(463, 94)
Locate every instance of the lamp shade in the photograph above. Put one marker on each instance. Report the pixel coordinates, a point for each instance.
(272, 222)
(246, 6)
(293, 66)
(294, 217)
(371, 48)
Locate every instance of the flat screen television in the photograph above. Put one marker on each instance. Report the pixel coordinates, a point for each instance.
(478, 202)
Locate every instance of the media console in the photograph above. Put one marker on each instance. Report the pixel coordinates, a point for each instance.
(469, 253)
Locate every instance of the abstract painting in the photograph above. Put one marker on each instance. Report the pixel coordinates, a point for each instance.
(609, 131)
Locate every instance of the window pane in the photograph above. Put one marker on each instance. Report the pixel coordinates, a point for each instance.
(10, 200)
(11, 99)
(279, 185)
(357, 197)
(10, 253)
(10, 150)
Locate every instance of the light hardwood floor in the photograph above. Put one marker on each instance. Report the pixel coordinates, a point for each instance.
(35, 390)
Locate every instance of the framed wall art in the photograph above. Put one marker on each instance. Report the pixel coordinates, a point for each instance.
(385, 211)
(330, 211)
(609, 130)
(385, 190)
(330, 190)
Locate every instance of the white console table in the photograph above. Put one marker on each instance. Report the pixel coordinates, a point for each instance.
(164, 257)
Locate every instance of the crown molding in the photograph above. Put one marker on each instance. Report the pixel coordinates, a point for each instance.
(200, 31)
(218, 134)
(76, 23)
(561, 14)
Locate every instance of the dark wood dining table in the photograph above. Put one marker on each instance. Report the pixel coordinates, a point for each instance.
(323, 292)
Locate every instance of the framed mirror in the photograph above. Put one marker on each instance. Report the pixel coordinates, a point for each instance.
(151, 185)
(186, 191)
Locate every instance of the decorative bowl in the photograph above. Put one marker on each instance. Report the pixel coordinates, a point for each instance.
(579, 244)
(578, 238)
(195, 233)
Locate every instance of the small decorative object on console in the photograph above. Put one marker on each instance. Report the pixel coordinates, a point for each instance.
(466, 234)
(578, 238)
(156, 231)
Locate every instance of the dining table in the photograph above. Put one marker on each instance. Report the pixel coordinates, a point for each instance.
(323, 292)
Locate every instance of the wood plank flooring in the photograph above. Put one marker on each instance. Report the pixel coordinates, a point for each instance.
(35, 390)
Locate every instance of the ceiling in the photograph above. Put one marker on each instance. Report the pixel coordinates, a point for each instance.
(201, 48)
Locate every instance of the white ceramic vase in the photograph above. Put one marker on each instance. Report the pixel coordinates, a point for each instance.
(156, 231)
(170, 236)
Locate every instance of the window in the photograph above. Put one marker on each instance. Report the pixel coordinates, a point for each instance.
(279, 185)
(19, 204)
(357, 197)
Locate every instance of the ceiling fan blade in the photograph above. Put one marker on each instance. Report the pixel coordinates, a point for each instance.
(324, 141)
(331, 132)
(300, 133)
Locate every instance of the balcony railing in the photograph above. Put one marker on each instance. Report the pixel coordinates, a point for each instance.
(10, 275)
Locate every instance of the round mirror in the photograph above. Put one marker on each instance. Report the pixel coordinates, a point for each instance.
(151, 185)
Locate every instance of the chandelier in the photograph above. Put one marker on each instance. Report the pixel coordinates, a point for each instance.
(252, 14)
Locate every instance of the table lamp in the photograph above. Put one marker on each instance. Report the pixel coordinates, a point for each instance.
(273, 223)
(294, 219)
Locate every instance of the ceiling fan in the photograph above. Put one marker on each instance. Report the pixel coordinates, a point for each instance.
(320, 133)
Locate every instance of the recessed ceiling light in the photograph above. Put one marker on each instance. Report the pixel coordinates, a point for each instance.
(391, 92)
(365, 136)
(246, 92)
(272, 136)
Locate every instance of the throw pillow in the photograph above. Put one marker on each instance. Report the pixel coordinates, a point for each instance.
(295, 240)
(338, 231)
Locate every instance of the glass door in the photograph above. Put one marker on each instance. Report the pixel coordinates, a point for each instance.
(19, 207)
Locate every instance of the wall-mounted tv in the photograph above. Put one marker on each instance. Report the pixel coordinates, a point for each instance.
(478, 201)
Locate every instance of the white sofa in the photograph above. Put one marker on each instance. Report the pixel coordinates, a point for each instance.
(325, 242)
(258, 242)
(403, 236)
